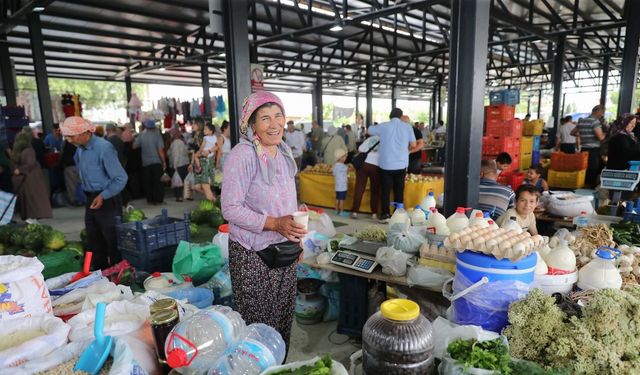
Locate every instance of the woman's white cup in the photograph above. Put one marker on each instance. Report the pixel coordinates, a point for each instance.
(302, 218)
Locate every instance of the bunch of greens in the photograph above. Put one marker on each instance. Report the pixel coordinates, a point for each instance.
(604, 340)
(487, 355)
(626, 233)
(320, 367)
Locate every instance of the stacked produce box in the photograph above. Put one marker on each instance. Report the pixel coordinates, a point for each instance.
(12, 119)
(530, 146)
(568, 171)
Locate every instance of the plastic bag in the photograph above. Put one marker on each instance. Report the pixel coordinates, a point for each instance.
(220, 283)
(59, 286)
(46, 334)
(486, 304)
(400, 237)
(569, 204)
(132, 357)
(320, 222)
(165, 178)
(185, 310)
(53, 359)
(448, 366)
(23, 291)
(393, 262)
(198, 261)
(336, 369)
(87, 298)
(313, 244)
(121, 317)
(331, 291)
(427, 276)
(445, 331)
(176, 181)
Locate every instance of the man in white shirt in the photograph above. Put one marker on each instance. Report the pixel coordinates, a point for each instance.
(295, 140)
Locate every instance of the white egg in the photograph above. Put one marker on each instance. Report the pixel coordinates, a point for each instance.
(505, 245)
(490, 244)
(453, 237)
(478, 242)
(537, 240)
(464, 239)
(519, 250)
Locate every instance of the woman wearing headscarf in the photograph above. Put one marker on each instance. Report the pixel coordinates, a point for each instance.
(178, 159)
(258, 200)
(623, 145)
(28, 180)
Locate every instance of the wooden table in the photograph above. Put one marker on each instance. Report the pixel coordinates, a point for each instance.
(549, 223)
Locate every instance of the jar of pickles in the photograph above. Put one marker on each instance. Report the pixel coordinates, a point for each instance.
(162, 322)
(397, 340)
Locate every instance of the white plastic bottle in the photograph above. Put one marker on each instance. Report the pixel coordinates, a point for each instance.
(196, 343)
(601, 272)
(262, 348)
(221, 239)
(492, 224)
(561, 260)
(400, 215)
(512, 224)
(437, 223)
(582, 220)
(478, 220)
(428, 202)
(417, 217)
(458, 221)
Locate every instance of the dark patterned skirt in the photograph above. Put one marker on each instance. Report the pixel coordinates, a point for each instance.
(262, 294)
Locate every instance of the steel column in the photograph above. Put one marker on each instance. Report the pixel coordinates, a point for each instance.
(564, 99)
(439, 99)
(357, 109)
(539, 103)
(236, 46)
(529, 105)
(467, 76)
(369, 94)
(127, 87)
(7, 73)
(605, 81)
(432, 111)
(316, 100)
(393, 96)
(206, 98)
(40, 69)
(629, 58)
(557, 74)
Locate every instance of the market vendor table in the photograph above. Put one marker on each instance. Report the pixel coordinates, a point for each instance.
(319, 190)
(548, 224)
(354, 295)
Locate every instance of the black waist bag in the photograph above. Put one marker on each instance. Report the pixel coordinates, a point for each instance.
(281, 254)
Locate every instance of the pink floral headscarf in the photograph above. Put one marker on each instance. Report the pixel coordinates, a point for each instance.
(75, 125)
(249, 106)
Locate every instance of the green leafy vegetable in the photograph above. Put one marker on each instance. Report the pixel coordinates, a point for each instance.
(487, 355)
(320, 367)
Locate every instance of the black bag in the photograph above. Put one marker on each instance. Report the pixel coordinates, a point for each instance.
(281, 254)
(360, 158)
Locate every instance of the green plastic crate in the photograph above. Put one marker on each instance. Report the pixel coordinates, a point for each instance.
(60, 262)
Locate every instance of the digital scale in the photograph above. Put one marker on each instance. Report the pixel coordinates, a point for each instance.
(359, 256)
(619, 181)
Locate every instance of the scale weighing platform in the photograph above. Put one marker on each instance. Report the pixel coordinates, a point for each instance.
(359, 256)
(619, 181)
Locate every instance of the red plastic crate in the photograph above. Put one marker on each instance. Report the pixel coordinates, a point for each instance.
(495, 145)
(562, 162)
(511, 128)
(500, 112)
(513, 179)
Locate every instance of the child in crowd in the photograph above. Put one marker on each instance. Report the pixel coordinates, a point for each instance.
(534, 177)
(503, 162)
(526, 203)
(340, 177)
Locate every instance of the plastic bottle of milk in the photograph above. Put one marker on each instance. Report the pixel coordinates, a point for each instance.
(492, 224)
(478, 220)
(601, 272)
(222, 240)
(512, 224)
(458, 221)
(428, 202)
(437, 223)
(417, 217)
(400, 215)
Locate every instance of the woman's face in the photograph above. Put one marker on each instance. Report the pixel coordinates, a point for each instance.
(269, 126)
(526, 203)
(227, 132)
(631, 125)
(195, 127)
(207, 131)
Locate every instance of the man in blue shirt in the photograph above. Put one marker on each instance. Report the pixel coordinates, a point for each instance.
(102, 178)
(396, 138)
(53, 140)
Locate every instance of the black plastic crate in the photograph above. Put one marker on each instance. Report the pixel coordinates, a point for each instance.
(157, 260)
(16, 123)
(151, 234)
(11, 111)
(354, 304)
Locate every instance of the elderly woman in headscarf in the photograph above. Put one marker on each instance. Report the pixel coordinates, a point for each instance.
(28, 181)
(178, 154)
(258, 200)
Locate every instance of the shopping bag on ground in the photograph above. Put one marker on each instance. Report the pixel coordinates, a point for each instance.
(23, 291)
(176, 181)
(7, 206)
(198, 261)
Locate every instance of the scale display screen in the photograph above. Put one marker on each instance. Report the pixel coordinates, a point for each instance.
(354, 261)
(619, 175)
(619, 180)
(345, 258)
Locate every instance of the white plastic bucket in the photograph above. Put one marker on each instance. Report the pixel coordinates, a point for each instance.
(550, 284)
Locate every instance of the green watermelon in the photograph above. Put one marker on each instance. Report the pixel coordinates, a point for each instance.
(218, 204)
(32, 241)
(134, 215)
(206, 205)
(17, 238)
(193, 229)
(5, 233)
(215, 220)
(199, 216)
(75, 247)
(54, 240)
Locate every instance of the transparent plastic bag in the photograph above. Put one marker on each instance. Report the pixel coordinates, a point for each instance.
(400, 237)
(427, 276)
(448, 366)
(393, 262)
(445, 331)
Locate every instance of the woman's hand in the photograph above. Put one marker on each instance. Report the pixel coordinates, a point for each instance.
(286, 227)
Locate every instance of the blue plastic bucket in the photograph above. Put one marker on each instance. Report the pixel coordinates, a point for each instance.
(490, 310)
(199, 297)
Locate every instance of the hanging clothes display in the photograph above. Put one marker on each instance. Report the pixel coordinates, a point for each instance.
(134, 109)
(221, 107)
(186, 111)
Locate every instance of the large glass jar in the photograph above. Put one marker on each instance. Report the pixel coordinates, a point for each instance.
(397, 340)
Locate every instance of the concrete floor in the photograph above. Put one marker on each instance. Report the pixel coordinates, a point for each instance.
(307, 341)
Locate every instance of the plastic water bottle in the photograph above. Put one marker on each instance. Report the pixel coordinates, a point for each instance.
(428, 202)
(221, 239)
(582, 220)
(196, 343)
(262, 348)
(400, 215)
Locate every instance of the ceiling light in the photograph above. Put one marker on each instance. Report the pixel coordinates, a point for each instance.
(38, 9)
(222, 54)
(336, 28)
(162, 69)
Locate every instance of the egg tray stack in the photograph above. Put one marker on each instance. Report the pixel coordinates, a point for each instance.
(501, 243)
(433, 253)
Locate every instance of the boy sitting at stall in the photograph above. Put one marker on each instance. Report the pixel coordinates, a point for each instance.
(526, 203)
(340, 178)
(534, 177)
(503, 162)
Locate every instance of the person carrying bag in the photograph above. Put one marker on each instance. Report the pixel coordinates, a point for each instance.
(359, 159)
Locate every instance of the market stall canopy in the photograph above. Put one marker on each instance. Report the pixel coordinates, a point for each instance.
(407, 42)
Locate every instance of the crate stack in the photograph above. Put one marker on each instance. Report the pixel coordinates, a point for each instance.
(502, 130)
(12, 120)
(568, 171)
(530, 145)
